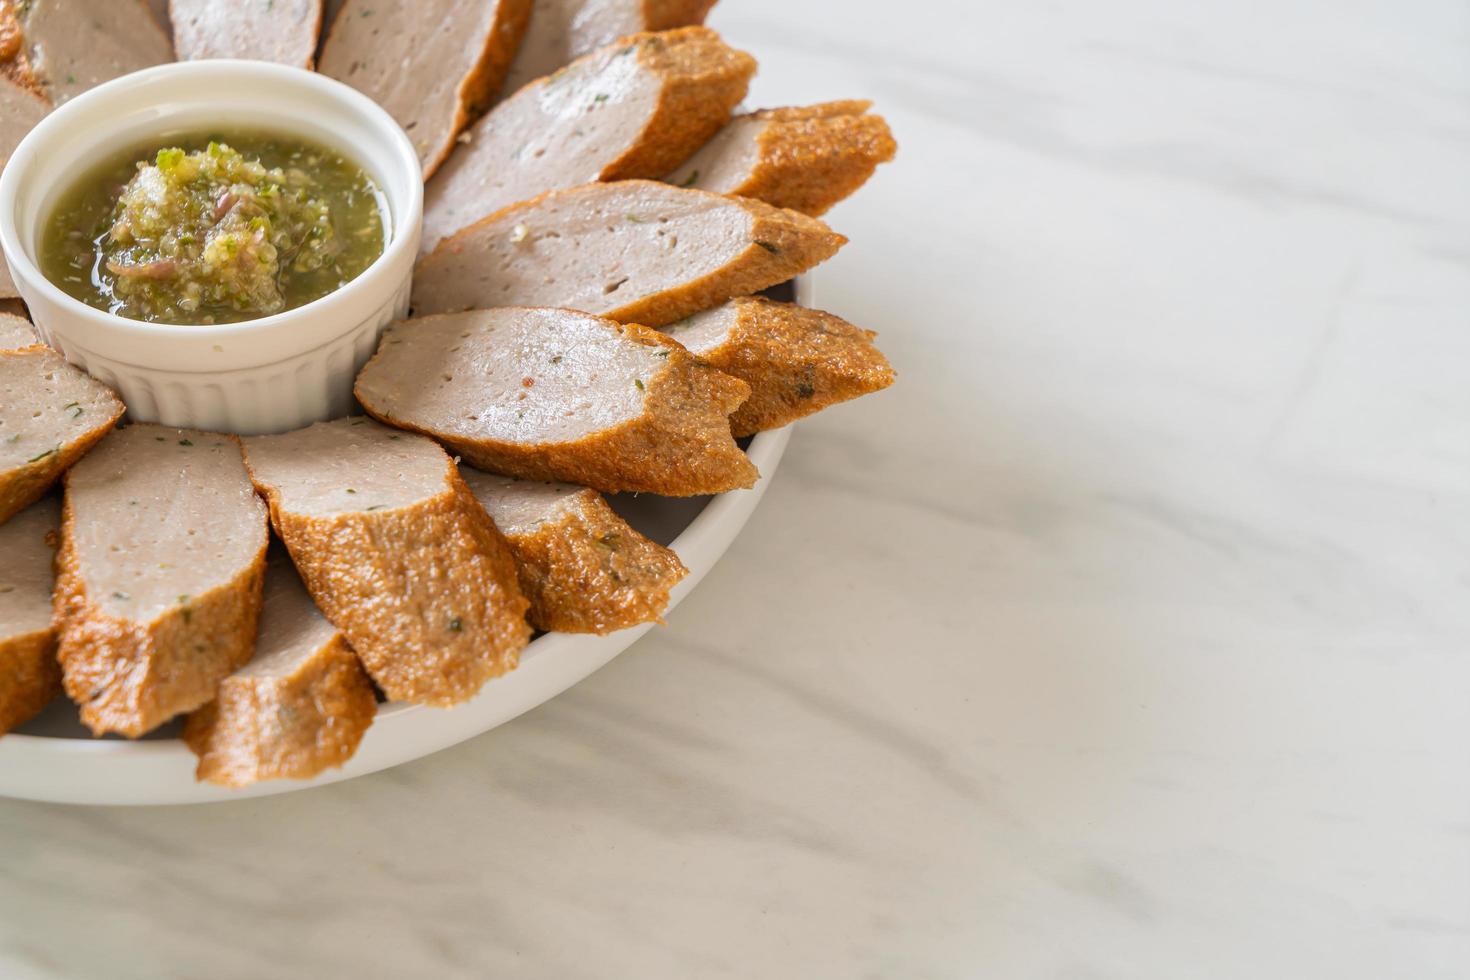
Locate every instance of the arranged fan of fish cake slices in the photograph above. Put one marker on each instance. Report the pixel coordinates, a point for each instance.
(50, 414)
(634, 108)
(397, 553)
(300, 707)
(797, 361)
(30, 677)
(584, 568)
(806, 159)
(429, 63)
(547, 394)
(162, 539)
(159, 575)
(636, 251)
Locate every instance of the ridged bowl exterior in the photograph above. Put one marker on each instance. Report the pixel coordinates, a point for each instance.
(276, 397)
(269, 375)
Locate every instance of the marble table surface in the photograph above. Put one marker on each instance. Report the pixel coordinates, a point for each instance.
(1128, 636)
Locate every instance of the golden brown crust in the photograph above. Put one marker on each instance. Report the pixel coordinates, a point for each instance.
(590, 572)
(425, 594)
(291, 727)
(130, 677)
(679, 447)
(784, 244)
(663, 15)
(11, 36)
(797, 361)
(25, 484)
(15, 62)
(482, 84)
(30, 677)
(815, 156)
(704, 80)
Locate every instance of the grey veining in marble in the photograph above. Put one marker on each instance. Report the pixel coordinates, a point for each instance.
(1127, 637)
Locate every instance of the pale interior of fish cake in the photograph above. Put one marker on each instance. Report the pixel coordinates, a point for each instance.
(160, 515)
(348, 465)
(25, 569)
(511, 375)
(292, 629)
(556, 134)
(45, 404)
(726, 161)
(705, 332)
(593, 249)
(521, 506)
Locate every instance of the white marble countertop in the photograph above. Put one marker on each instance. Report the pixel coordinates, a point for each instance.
(1129, 636)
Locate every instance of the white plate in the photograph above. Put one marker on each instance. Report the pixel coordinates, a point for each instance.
(51, 759)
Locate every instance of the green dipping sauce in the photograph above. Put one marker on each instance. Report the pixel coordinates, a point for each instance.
(212, 229)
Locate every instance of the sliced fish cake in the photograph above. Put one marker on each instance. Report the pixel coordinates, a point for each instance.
(300, 707)
(556, 395)
(30, 677)
(16, 332)
(563, 30)
(61, 48)
(8, 291)
(284, 31)
(635, 108)
(159, 575)
(20, 109)
(397, 553)
(429, 63)
(797, 361)
(51, 413)
(636, 251)
(806, 159)
(584, 568)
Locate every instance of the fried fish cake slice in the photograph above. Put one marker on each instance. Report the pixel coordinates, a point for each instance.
(584, 568)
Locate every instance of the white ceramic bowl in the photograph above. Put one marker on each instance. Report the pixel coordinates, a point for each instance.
(268, 375)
